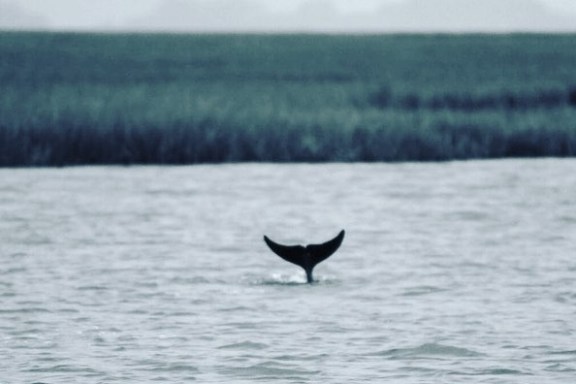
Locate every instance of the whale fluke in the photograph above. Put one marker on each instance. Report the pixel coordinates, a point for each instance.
(306, 257)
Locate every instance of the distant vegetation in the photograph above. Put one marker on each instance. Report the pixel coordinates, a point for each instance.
(71, 99)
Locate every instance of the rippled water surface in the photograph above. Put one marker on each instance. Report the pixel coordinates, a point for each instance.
(450, 272)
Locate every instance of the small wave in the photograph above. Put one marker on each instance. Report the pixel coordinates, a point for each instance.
(427, 350)
(238, 308)
(560, 367)
(422, 290)
(473, 216)
(241, 325)
(14, 270)
(269, 370)
(24, 310)
(194, 280)
(502, 371)
(565, 297)
(63, 368)
(303, 357)
(160, 365)
(569, 352)
(245, 345)
(176, 367)
(92, 288)
(496, 371)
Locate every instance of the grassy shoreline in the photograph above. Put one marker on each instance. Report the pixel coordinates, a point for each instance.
(89, 99)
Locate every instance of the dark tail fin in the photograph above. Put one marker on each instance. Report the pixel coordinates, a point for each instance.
(306, 257)
(321, 252)
(291, 253)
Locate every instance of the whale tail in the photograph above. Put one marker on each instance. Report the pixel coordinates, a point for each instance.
(306, 257)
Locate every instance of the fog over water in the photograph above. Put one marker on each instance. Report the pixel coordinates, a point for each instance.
(302, 15)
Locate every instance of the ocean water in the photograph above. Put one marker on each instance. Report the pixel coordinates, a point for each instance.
(449, 272)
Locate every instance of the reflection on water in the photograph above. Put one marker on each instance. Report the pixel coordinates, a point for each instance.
(448, 270)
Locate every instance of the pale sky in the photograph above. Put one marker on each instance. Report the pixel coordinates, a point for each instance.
(86, 14)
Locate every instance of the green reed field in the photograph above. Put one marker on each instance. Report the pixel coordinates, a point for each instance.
(71, 99)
